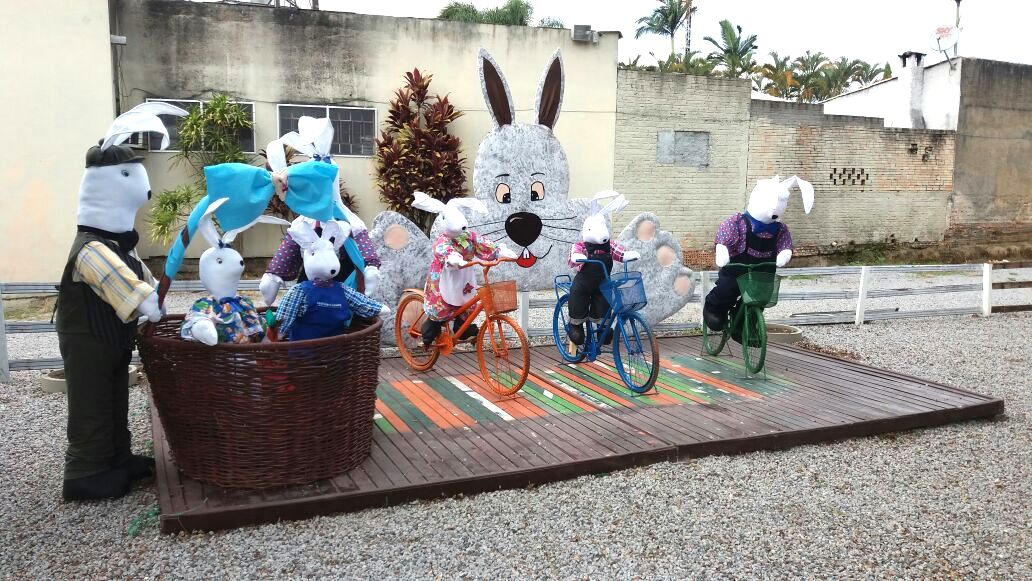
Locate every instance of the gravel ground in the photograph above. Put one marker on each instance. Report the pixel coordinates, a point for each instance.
(945, 502)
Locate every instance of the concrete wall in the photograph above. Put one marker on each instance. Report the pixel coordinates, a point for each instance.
(871, 185)
(994, 144)
(689, 199)
(940, 98)
(269, 56)
(875, 100)
(54, 110)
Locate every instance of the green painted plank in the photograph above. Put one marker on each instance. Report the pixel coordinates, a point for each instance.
(536, 393)
(462, 400)
(406, 410)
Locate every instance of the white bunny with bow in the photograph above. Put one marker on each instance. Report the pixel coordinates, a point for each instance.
(221, 267)
(595, 229)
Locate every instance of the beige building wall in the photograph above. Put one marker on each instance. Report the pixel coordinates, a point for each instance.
(53, 110)
(266, 56)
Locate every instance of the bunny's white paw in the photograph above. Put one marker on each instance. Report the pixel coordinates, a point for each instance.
(722, 257)
(149, 308)
(631, 255)
(577, 257)
(455, 260)
(269, 286)
(372, 279)
(204, 331)
(505, 252)
(385, 310)
(783, 257)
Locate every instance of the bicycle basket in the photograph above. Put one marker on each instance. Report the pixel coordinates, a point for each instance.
(759, 289)
(625, 292)
(498, 297)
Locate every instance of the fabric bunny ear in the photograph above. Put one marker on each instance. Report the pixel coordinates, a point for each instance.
(316, 131)
(549, 97)
(421, 201)
(805, 188)
(596, 206)
(231, 235)
(495, 89)
(276, 155)
(616, 205)
(303, 232)
(336, 231)
(207, 228)
(471, 203)
(143, 117)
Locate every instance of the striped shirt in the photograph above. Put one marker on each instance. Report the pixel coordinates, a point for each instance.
(104, 272)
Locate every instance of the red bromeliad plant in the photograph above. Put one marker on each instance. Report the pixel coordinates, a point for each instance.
(415, 152)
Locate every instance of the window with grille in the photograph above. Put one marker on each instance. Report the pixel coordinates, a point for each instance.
(245, 139)
(353, 127)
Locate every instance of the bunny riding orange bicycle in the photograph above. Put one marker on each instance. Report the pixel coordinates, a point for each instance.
(503, 351)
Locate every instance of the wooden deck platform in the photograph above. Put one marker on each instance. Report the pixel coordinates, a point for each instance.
(441, 433)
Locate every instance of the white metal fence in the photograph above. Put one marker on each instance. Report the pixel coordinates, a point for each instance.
(865, 290)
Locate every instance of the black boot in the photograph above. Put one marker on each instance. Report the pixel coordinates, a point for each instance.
(430, 330)
(470, 333)
(111, 484)
(576, 333)
(713, 321)
(139, 467)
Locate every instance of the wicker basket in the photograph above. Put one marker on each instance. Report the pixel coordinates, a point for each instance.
(625, 292)
(264, 414)
(498, 297)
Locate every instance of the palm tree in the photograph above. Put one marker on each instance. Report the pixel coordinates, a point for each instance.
(835, 78)
(512, 13)
(868, 73)
(734, 52)
(807, 73)
(689, 64)
(690, 8)
(777, 78)
(665, 20)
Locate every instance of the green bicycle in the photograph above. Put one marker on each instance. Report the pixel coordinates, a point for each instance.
(745, 323)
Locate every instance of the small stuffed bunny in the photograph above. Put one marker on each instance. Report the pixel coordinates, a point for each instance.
(448, 286)
(753, 237)
(586, 300)
(321, 306)
(314, 139)
(224, 316)
(105, 291)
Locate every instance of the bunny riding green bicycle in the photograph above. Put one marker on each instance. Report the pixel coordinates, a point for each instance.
(745, 324)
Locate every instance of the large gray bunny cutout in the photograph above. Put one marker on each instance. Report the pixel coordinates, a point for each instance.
(522, 175)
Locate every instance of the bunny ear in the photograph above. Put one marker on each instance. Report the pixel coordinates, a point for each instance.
(596, 207)
(276, 155)
(231, 235)
(805, 189)
(207, 228)
(336, 231)
(303, 232)
(471, 203)
(143, 117)
(316, 131)
(495, 89)
(616, 205)
(550, 92)
(298, 143)
(421, 201)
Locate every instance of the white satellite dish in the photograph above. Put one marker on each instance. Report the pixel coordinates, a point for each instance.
(944, 38)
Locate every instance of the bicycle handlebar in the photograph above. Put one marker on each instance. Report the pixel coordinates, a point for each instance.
(486, 263)
(752, 266)
(603, 265)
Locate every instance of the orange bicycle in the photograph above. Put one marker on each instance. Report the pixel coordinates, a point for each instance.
(503, 351)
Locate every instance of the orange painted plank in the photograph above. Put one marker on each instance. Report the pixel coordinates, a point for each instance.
(425, 404)
(610, 373)
(584, 383)
(391, 417)
(545, 383)
(711, 380)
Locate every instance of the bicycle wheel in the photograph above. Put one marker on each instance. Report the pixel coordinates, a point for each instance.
(636, 353)
(504, 354)
(407, 324)
(713, 341)
(560, 324)
(754, 339)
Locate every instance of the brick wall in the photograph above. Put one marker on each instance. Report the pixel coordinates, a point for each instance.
(873, 184)
(689, 199)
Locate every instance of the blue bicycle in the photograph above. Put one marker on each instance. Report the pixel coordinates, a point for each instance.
(635, 349)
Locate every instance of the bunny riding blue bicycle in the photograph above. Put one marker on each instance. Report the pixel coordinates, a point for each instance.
(635, 349)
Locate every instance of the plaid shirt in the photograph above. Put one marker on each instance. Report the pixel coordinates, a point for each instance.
(732, 233)
(104, 272)
(295, 305)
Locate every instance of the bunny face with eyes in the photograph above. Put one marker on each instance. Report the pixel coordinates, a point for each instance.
(769, 199)
(319, 251)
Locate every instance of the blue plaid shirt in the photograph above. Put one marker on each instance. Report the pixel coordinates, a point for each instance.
(295, 304)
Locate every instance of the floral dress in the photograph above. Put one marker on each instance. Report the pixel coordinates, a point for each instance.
(448, 288)
(236, 319)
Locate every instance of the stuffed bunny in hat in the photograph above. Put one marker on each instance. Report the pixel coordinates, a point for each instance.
(586, 300)
(754, 237)
(224, 316)
(448, 286)
(321, 306)
(105, 290)
(314, 139)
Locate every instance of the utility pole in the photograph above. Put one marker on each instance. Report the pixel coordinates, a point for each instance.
(958, 27)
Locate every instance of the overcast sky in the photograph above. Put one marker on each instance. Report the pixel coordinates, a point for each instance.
(873, 30)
